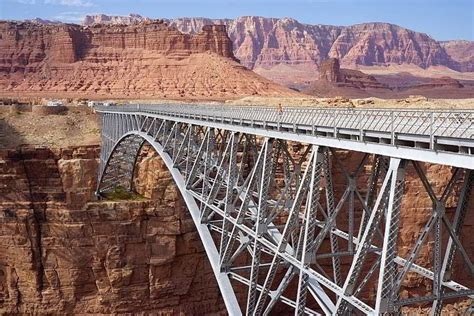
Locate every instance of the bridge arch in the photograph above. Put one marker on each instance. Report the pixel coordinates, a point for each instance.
(138, 139)
(204, 154)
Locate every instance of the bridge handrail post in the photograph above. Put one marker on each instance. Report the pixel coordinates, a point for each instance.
(392, 127)
(431, 130)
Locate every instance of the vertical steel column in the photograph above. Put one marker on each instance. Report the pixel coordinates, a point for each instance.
(260, 226)
(366, 241)
(388, 266)
(336, 262)
(309, 231)
(229, 195)
(461, 211)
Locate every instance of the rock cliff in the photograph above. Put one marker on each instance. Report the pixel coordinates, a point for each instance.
(140, 60)
(113, 19)
(266, 42)
(337, 81)
(60, 252)
(462, 52)
(330, 71)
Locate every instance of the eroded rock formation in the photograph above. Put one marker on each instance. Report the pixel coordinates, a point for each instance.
(60, 252)
(266, 42)
(330, 71)
(462, 52)
(140, 60)
(113, 19)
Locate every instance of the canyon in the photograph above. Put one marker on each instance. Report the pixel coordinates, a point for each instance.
(63, 250)
(150, 59)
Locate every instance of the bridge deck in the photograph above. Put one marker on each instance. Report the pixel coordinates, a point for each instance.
(263, 209)
(445, 137)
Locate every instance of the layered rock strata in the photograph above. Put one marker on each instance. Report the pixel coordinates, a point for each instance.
(330, 71)
(60, 252)
(462, 52)
(267, 42)
(142, 60)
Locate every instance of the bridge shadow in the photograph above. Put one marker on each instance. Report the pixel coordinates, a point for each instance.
(10, 137)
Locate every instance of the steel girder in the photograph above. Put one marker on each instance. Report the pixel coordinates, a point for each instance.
(270, 217)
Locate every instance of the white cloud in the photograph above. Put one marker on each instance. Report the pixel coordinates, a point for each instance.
(70, 3)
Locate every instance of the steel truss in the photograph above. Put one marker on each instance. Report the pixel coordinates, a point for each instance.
(272, 222)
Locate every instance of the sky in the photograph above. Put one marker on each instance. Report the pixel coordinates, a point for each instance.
(441, 19)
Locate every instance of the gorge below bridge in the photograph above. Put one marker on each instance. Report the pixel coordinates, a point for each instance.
(300, 210)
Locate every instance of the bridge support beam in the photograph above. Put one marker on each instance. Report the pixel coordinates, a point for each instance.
(294, 222)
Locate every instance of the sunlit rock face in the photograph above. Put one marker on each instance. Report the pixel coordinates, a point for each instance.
(63, 251)
(150, 59)
(60, 251)
(266, 42)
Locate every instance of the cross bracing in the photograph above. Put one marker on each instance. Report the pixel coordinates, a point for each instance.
(287, 223)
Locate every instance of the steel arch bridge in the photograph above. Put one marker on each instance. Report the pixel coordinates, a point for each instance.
(277, 228)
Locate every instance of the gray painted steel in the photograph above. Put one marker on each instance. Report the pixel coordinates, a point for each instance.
(259, 185)
(443, 137)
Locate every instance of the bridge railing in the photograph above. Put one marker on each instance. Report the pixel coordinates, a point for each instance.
(429, 123)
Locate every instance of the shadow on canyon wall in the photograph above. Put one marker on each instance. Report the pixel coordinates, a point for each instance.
(61, 251)
(7, 132)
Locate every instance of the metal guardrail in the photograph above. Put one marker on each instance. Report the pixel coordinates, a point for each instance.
(432, 127)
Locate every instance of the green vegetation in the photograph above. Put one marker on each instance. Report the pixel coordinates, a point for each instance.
(94, 131)
(120, 194)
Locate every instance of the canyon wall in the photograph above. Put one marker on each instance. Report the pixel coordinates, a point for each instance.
(462, 52)
(266, 42)
(62, 252)
(141, 60)
(23, 44)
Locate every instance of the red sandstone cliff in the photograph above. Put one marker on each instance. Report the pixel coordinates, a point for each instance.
(462, 52)
(337, 81)
(330, 71)
(60, 252)
(25, 43)
(141, 60)
(266, 42)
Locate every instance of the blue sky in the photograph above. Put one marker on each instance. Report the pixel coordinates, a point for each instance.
(442, 19)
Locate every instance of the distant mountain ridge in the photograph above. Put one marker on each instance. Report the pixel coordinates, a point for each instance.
(261, 42)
